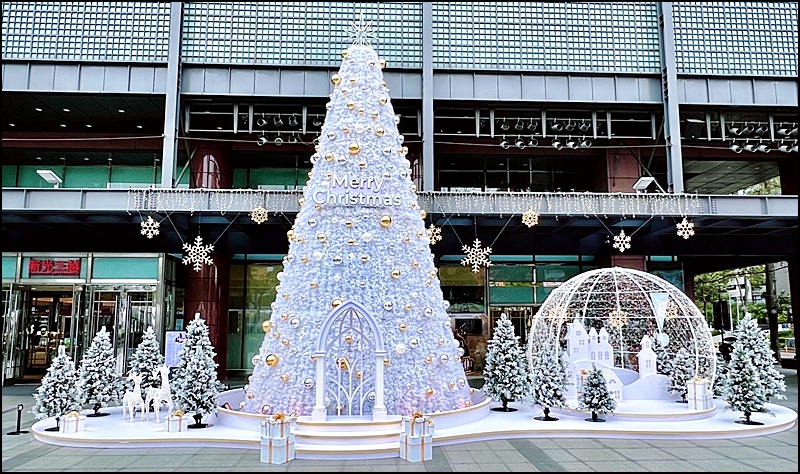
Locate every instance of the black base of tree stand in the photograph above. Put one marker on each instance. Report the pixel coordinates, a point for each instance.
(503, 409)
(546, 416)
(96, 415)
(748, 422)
(681, 401)
(197, 426)
(52, 428)
(599, 420)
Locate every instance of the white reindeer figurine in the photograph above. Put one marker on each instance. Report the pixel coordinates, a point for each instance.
(133, 397)
(161, 394)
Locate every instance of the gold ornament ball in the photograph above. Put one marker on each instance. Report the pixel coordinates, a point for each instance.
(322, 237)
(383, 83)
(285, 296)
(351, 104)
(383, 63)
(386, 361)
(290, 234)
(276, 334)
(413, 188)
(344, 91)
(415, 265)
(383, 100)
(284, 316)
(345, 53)
(361, 111)
(402, 326)
(272, 359)
(329, 156)
(336, 302)
(266, 325)
(348, 339)
(304, 259)
(395, 273)
(429, 392)
(352, 80)
(423, 213)
(406, 239)
(371, 62)
(467, 403)
(310, 174)
(375, 114)
(317, 207)
(284, 377)
(386, 220)
(285, 341)
(407, 307)
(351, 242)
(379, 131)
(358, 375)
(362, 164)
(336, 79)
(441, 341)
(402, 150)
(346, 129)
(348, 223)
(313, 284)
(451, 384)
(313, 358)
(251, 395)
(353, 148)
(428, 360)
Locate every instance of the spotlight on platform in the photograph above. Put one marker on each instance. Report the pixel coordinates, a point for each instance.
(642, 184)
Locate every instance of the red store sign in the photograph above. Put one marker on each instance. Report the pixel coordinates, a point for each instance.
(50, 267)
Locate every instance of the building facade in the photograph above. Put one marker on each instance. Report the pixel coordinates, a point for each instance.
(196, 113)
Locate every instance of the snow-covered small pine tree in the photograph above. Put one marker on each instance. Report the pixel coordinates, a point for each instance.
(663, 359)
(196, 385)
(752, 378)
(145, 359)
(504, 373)
(58, 394)
(682, 372)
(595, 396)
(548, 379)
(98, 382)
(720, 373)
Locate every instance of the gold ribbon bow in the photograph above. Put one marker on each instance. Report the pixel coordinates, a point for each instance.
(178, 413)
(278, 417)
(417, 414)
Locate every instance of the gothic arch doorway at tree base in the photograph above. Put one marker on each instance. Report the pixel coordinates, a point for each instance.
(349, 356)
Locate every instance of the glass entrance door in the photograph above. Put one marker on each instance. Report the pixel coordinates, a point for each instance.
(14, 337)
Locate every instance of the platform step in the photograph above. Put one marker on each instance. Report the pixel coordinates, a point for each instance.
(347, 451)
(316, 437)
(349, 424)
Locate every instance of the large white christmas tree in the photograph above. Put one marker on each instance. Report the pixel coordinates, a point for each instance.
(359, 272)
(681, 371)
(548, 380)
(505, 373)
(145, 359)
(58, 394)
(195, 382)
(98, 382)
(752, 379)
(595, 396)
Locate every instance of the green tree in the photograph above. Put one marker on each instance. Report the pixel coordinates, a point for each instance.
(710, 288)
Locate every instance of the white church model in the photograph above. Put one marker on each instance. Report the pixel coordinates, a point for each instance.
(592, 347)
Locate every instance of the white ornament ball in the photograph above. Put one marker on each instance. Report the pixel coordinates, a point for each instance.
(400, 349)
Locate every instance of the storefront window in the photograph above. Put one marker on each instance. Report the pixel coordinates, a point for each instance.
(261, 282)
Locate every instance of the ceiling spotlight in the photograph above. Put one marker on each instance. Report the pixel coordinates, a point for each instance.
(262, 140)
(315, 141)
(642, 183)
(88, 125)
(734, 130)
(556, 127)
(571, 143)
(317, 122)
(785, 147)
(585, 143)
(570, 126)
(504, 143)
(293, 138)
(122, 111)
(520, 143)
(505, 125)
(794, 147)
(278, 121)
(65, 109)
(261, 121)
(736, 148)
(38, 109)
(278, 141)
(557, 144)
(748, 129)
(750, 147)
(292, 120)
(533, 142)
(483, 123)
(793, 132)
(519, 125)
(763, 148)
(762, 129)
(585, 126)
(532, 125)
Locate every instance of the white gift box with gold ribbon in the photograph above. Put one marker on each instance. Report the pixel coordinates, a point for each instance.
(74, 422)
(272, 428)
(416, 448)
(698, 394)
(277, 450)
(177, 423)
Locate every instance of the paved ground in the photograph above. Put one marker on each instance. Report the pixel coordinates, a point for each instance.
(772, 453)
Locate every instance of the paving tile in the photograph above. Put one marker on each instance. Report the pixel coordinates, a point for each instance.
(675, 465)
(613, 466)
(646, 454)
(578, 467)
(741, 452)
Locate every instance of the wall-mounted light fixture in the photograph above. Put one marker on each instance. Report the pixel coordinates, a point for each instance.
(50, 177)
(642, 183)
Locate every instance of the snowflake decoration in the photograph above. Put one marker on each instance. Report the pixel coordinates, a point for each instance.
(150, 227)
(476, 256)
(259, 215)
(618, 318)
(622, 242)
(671, 311)
(434, 234)
(530, 218)
(361, 33)
(685, 228)
(198, 254)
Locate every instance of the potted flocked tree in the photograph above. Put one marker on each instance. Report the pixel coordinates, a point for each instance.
(548, 380)
(682, 370)
(98, 382)
(58, 394)
(595, 396)
(505, 371)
